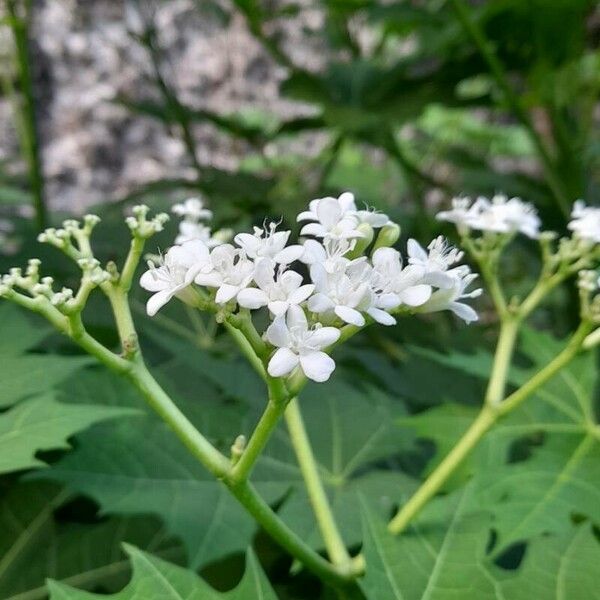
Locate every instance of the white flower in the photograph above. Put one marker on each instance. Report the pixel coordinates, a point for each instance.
(278, 294)
(331, 253)
(585, 222)
(436, 262)
(300, 346)
(500, 215)
(343, 292)
(198, 231)
(177, 271)
(448, 299)
(394, 285)
(192, 210)
(332, 218)
(268, 243)
(229, 270)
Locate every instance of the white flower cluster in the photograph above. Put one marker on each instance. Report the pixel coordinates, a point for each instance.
(499, 215)
(344, 286)
(585, 222)
(192, 212)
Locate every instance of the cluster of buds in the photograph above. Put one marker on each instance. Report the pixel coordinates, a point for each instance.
(142, 227)
(588, 285)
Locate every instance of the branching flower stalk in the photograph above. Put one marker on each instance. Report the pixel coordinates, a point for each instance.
(355, 279)
(499, 224)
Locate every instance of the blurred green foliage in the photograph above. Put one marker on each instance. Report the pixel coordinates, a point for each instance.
(418, 101)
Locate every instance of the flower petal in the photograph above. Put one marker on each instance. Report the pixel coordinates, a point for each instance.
(149, 281)
(415, 250)
(279, 307)
(415, 295)
(301, 294)
(324, 336)
(349, 315)
(320, 303)
(277, 333)
(329, 212)
(209, 279)
(282, 362)
(289, 255)
(252, 298)
(226, 293)
(296, 318)
(158, 300)
(315, 229)
(381, 316)
(464, 311)
(317, 366)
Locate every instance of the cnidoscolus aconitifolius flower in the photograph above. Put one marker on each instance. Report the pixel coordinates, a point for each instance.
(585, 222)
(341, 273)
(501, 214)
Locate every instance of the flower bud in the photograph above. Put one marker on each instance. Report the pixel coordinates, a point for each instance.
(388, 236)
(361, 243)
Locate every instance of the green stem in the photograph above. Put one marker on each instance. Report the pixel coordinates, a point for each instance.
(499, 73)
(484, 421)
(316, 492)
(509, 329)
(286, 538)
(131, 263)
(443, 471)
(122, 312)
(29, 137)
(192, 439)
(262, 432)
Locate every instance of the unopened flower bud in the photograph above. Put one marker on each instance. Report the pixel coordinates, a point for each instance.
(388, 236)
(363, 242)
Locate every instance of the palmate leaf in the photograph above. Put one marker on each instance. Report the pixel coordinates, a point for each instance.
(34, 545)
(42, 423)
(442, 556)
(24, 374)
(155, 579)
(561, 478)
(137, 466)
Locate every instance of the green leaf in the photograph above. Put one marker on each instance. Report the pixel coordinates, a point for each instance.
(27, 374)
(34, 545)
(136, 466)
(155, 579)
(441, 556)
(541, 494)
(561, 567)
(42, 423)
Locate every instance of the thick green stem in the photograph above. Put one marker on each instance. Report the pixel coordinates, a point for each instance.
(509, 329)
(192, 439)
(316, 492)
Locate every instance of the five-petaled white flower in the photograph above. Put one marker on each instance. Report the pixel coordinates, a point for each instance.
(331, 218)
(585, 222)
(436, 262)
(229, 270)
(177, 271)
(192, 210)
(269, 243)
(198, 231)
(278, 293)
(300, 346)
(448, 298)
(342, 292)
(395, 285)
